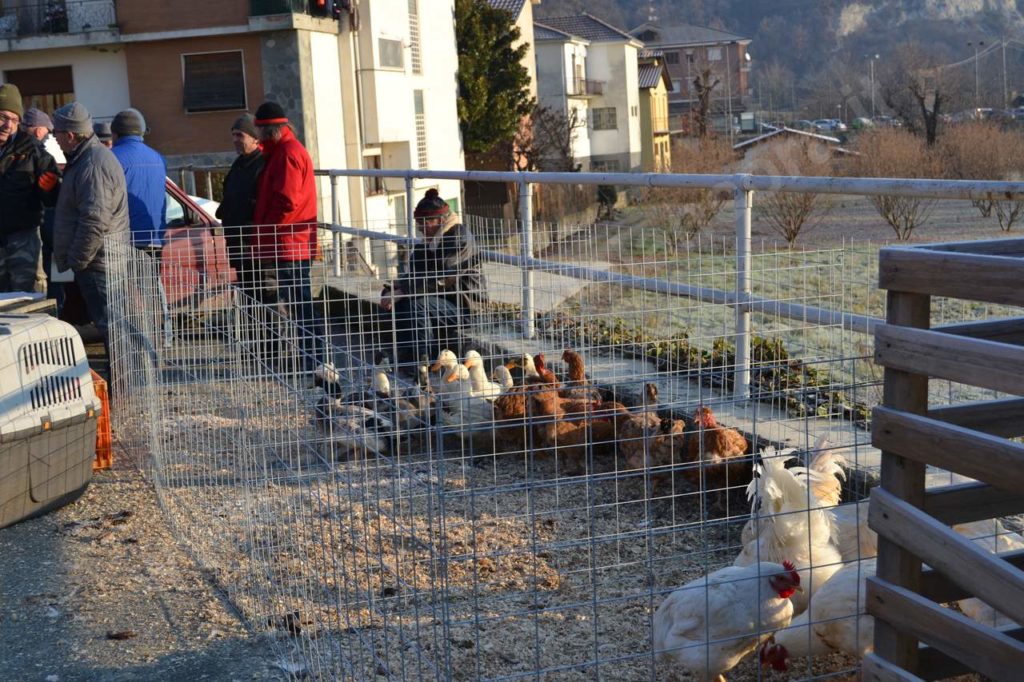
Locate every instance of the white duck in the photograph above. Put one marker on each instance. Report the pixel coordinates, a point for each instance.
(502, 377)
(454, 375)
(480, 385)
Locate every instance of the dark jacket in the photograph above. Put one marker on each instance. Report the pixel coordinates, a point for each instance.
(239, 201)
(145, 173)
(29, 180)
(285, 212)
(93, 203)
(451, 269)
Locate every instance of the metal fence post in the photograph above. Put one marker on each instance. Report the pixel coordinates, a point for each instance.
(741, 373)
(526, 251)
(209, 185)
(335, 236)
(410, 206)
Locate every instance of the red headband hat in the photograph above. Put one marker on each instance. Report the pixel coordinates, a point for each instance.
(270, 114)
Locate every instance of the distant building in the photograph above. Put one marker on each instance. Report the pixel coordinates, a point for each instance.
(688, 49)
(607, 80)
(366, 89)
(655, 85)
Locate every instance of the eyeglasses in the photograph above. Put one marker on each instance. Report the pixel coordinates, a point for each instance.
(9, 120)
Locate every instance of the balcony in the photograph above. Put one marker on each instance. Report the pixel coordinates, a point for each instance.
(581, 87)
(56, 18)
(660, 125)
(316, 8)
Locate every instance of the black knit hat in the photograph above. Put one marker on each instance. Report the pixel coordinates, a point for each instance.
(431, 205)
(246, 124)
(102, 130)
(270, 114)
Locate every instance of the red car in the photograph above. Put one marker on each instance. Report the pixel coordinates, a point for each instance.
(196, 272)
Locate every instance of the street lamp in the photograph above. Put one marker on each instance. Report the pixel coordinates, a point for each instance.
(977, 46)
(872, 57)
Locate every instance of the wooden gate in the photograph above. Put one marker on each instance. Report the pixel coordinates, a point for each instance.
(916, 637)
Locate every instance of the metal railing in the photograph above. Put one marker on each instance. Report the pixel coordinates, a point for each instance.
(259, 8)
(741, 185)
(57, 18)
(582, 87)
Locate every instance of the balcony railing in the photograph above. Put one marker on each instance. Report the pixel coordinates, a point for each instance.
(316, 8)
(61, 17)
(659, 124)
(581, 87)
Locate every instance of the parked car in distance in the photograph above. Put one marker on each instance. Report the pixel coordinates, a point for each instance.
(884, 121)
(195, 270)
(803, 124)
(829, 125)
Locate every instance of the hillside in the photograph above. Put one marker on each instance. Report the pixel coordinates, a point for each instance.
(803, 35)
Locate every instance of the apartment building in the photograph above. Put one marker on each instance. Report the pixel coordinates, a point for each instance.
(366, 84)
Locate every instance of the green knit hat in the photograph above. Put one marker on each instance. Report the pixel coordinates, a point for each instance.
(10, 99)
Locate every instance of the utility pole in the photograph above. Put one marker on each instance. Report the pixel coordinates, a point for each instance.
(977, 46)
(872, 58)
(1006, 96)
(728, 89)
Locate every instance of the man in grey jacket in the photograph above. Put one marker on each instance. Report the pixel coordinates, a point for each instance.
(93, 203)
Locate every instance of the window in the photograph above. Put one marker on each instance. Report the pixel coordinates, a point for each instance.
(392, 54)
(421, 128)
(373, 185)
(46, 88)
(714, 54)
(214, 81)
(677, 85)
(609, 166)
(604, 119)
(414, 37)
(671, 57)
(634, 111)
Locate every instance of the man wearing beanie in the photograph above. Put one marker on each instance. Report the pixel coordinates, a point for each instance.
(441, 288)
(93, 203)
(38, 124)
(239, 201)
(29, 180)
(145, 173)
(284, 239)
(103, 133)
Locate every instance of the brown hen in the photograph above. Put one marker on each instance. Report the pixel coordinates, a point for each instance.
(647, 441)
(570, 433)
(720, 452)
(578, 386)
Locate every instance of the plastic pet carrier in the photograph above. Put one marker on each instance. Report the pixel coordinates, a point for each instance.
(48, 413)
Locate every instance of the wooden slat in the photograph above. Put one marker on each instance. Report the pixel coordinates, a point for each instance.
(968, 565)
(983, 649)
(902, 477)
(994, 417)
(994, 279)
(994, 247)
(1009, 330)
(987, 364)
(876, 669)
(990, 459)
(939, 588)
(935, 665)
(967, 502)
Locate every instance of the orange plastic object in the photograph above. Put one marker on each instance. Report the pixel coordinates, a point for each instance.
(104, 446)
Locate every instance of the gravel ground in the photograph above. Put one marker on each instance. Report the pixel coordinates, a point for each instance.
(100, 590)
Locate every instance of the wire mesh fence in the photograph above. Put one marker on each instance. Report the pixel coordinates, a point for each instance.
(518, 507)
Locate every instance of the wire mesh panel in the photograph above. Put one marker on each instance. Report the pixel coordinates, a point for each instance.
(415, 490)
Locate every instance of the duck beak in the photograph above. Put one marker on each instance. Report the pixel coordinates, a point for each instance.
(466, 363)
(452, 377)
(436, 366)
(511, 364)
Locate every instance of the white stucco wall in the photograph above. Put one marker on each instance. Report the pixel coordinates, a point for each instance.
(330, 127)
(100, 78)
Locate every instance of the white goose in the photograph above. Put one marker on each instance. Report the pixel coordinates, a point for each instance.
(480, 385)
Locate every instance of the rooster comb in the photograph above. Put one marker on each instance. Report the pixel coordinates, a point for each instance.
(788, 565)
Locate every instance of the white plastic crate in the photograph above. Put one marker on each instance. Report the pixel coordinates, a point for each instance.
(48, 413)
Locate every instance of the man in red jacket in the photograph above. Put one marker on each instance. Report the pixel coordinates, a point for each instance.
(285, 234)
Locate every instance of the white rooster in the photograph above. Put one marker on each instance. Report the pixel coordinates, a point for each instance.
(710, 624)
(835, 621)
(787, 522)
(995, 537)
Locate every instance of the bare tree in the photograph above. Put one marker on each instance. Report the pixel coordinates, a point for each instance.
(685, 212)
(790, 213)
(896, 153)
(981, 150)
(919, 89)
(704, 83)
(548, 143)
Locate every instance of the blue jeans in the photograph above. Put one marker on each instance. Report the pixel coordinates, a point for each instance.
(285, 286)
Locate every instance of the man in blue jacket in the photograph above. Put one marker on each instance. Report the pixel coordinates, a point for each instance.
(145, 172)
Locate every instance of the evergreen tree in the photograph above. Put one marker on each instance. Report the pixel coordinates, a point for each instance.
(494, 86)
